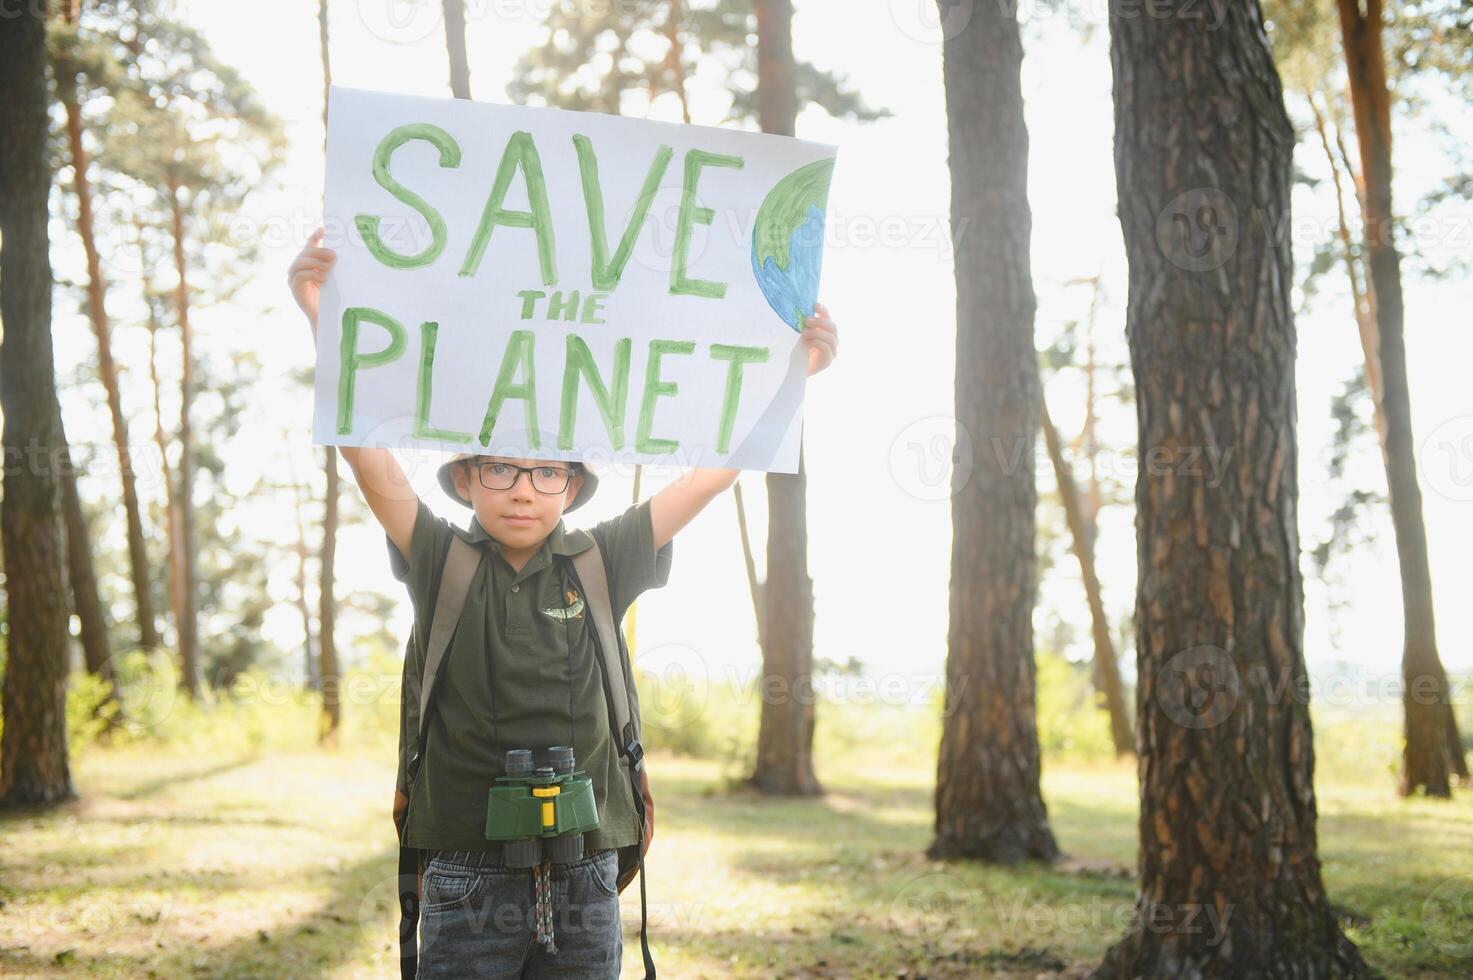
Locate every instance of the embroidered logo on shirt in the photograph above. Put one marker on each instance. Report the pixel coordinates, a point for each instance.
(574, 609)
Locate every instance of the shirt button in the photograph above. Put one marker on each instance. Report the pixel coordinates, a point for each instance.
(516, 588)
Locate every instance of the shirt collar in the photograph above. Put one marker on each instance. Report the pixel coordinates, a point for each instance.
(561, 541)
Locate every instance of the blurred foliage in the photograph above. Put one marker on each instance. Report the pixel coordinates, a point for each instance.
(259, 710)
(596, 54)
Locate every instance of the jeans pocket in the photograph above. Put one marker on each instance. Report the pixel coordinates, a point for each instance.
(603, 873)
(446, 888)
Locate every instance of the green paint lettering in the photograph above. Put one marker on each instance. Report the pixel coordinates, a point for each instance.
(689, 216)
(350, 361)
(428, 331)
(529, 299)
(592, 307)
(653, 389)
(606, 271)
(520, 152)
(560, 308)
(368, 224)
(736, 357)
(611, 404)
(518, 355)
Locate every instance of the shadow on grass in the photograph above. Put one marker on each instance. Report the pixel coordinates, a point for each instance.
(173, 779)
(861, 820)
(359, 912)
(876, 951)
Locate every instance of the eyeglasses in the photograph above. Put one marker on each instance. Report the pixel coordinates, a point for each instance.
(504, 476)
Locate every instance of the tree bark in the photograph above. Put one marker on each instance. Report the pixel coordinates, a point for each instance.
(1365, 315)
(674, 59)
(310, 666)
(166, 475)
(1230, 882)
(460, 69)
(34, 766)
(1106, 673)
(989, 804)
(327, 609)
(66, 85)
(784, 763)
(1431, 751)
(82, 577)
(187, 625)
(327, 664)
(1080, 531)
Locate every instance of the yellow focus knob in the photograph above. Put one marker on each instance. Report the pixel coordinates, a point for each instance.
(549, 809)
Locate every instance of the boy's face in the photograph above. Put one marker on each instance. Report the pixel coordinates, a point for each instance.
(520, 516)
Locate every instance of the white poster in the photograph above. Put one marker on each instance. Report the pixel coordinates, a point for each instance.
(565, 285)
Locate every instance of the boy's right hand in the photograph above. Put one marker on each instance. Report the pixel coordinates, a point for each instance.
(307, 273)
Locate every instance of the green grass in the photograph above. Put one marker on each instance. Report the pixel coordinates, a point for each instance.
(252, 860)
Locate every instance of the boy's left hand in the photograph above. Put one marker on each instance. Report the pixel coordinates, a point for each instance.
(821, 337)
(648, 833)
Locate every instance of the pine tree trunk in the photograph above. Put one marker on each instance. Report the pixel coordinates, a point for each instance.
(989, 804)
(34, 767)
(1106, 665)
(327, 609)
(327, 671)
(187, 626)
(66, 85)
(1429, 755)
(1230, 882)
(171, 505)
(1365, 316)
(784, 763)
(82, 575)
(1104, 646)
(460, 69)
(310, 666)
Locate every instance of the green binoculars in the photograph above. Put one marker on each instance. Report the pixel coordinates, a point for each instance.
(541, 813)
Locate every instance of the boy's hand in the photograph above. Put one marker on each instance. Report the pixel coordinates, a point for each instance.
(649, 829)
(401, 804)
(307, 273)
(821, 336)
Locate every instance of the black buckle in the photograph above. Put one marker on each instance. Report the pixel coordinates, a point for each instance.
(632, 748)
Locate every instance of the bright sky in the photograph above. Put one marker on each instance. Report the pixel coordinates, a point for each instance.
(877, 436)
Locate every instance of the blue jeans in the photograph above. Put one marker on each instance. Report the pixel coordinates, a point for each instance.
(476, 919)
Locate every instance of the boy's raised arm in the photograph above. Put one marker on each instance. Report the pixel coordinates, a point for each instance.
(676, 505)
(382, 483)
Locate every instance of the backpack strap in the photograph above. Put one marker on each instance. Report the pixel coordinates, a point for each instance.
(593, 578)
(461, 562)
(459, 568)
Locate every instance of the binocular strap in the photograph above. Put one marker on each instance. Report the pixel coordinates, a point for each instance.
(542, 904)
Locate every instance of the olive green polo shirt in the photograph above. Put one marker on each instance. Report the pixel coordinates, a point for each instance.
(521, 673)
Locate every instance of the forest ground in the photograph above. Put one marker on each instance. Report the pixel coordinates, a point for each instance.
(265, 862)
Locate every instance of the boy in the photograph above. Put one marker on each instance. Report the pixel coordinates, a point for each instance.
(520, 672)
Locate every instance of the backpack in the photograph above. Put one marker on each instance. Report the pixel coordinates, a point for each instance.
(460, 562)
